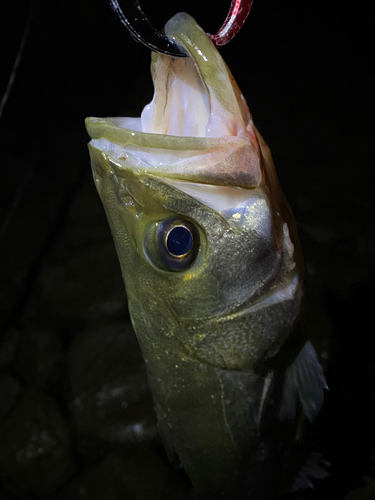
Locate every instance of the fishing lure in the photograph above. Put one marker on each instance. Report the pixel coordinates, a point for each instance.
(139, 27)
(212, 267)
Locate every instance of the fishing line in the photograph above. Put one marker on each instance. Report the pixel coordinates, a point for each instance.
(18, 59)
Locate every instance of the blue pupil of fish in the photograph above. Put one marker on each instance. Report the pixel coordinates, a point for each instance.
(177, 244)
(179, 241)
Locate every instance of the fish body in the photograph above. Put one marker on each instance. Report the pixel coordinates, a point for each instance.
(213, 272)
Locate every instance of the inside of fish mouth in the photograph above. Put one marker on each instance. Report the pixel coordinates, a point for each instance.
(181, 105)
(181, 109)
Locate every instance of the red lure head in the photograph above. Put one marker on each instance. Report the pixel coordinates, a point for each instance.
(238, 12)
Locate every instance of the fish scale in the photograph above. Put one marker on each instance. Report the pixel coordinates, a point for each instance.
(210, 323)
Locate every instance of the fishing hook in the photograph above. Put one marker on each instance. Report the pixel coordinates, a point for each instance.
(141, 29)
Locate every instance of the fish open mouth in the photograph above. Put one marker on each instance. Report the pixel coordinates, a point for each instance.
(197, 126)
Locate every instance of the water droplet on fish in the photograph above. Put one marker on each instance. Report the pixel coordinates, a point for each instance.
(138, 429)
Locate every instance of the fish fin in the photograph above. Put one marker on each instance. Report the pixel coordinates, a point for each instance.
(304, 383)
(266, 393)
(315, 467)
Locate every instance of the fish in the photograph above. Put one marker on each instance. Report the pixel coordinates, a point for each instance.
(213, 272)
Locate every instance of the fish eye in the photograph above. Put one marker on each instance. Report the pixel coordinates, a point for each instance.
(178, 243)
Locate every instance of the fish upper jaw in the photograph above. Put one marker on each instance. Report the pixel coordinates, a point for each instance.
(195, 96)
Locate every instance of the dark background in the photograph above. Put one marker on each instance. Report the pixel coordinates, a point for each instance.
(76, 417)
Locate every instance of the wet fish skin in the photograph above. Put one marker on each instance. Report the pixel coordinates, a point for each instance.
(200, 361)
(207, 332)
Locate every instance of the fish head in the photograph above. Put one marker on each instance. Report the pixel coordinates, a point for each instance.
(200, 224)
(228, 250)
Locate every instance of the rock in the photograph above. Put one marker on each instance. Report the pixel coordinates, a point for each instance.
(110, 401)
(86, 284)
(364, 492)
(150, 476)
(35, 452)
(140, 474)
(3, 495)
(82, 278)
(41, 357)
(8, 347)
(103, 481)
(9, 390)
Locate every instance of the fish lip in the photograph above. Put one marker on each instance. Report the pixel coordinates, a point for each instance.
(225, 166)
(107, 129)
(227, 160)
